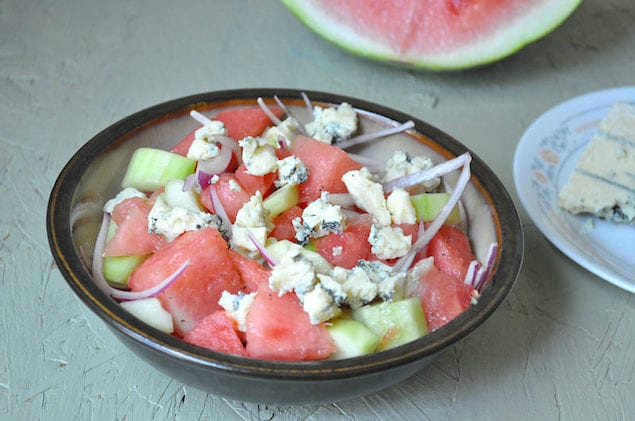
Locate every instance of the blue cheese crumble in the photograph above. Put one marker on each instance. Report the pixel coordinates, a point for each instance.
(367, 194)
(172, 221)
(400, 165)
(400, 207)
(291, 172)
(333, 124)
(287, 129)
(294, 272)
(204, 145)
(388, 242)
(252, 218)
(258, 155)
(237, 307)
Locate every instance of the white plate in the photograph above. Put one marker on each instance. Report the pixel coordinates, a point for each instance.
(545, 156)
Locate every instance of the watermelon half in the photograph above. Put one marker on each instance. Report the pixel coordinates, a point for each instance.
(433, 34)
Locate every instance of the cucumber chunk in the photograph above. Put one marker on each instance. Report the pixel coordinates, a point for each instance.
(176, 197)
(150, 311)
(150, 169)
(428, 205)
(352, 338)
(282, 199)
(396, 323)
(117, 269)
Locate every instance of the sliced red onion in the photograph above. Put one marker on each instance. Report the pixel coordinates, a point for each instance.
(283, 144)
(274, 118)
(442, 216)
(150, 292)
(307, 102)
(373, 165)
(216, 165)
(350, 215)
(122, 295)
(190, 181)
(203, 178)
(376, 135)
(464, 224)
(288, 112)
(472, 270)
(344, 200)
(200, 118)
(262, 250)
(229, 143)
(219, 209)
(429, 174)
(483, 274)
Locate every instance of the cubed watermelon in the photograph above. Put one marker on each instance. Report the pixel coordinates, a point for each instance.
(283, 224)
(279, 329)
(452, 251)
(231, 194)
(326, 164)
(443, 296)
(196, 292)
(131, 237)
(347, 248)
(216, 332)
(252, 273)
(253, 183)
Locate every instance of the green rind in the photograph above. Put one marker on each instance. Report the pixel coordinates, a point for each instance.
(544, 20)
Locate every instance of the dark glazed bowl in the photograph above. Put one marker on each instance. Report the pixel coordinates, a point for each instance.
(94, 173)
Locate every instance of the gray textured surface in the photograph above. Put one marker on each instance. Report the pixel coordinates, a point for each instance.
(561, 347)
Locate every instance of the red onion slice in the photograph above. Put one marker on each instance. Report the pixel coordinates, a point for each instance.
(372, 165)
(376, 135)
(472, 270)
(483, 274)
(288, 112)
(344, 200)
(406, 261)
(442, 216)
(261, 249)
(200, 117)
(122, 295)
(218, 164)
(274, 118)
(219, 209)
(307, 102)
(191, 181)
(429, 174)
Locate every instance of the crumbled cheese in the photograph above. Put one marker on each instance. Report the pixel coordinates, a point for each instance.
(334, 288)
(252, 218)
(293, 272)
(303, 233)
(124, 194)
(286, 129)
(400, 165)
(331, 125)
(400, 207)
(367, 194)
(389, 242)
(336, 251)
(237, 307)
(390, 286)
(258, 155)
(322, 217)
(357, 285)
(173, 221)
(291, 171)
(319, 305)
(204, 145)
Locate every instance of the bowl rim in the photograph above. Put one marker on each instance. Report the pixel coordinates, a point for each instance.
(506, 219)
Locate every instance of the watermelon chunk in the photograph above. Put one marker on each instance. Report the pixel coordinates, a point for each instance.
(326, 164)
(239, 122)
(216, 332)
(231, 194)
(254, 183)
(451, 250)
(279, 329)
(284, 229)
(347, 248)
(253, 274)
(196, 292)
(131, 237)
(443, 296)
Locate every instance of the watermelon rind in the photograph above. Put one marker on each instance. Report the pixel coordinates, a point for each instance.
(537, 22)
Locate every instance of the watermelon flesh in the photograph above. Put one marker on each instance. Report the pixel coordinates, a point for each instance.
(432, 34)
(196, 292)
(216, 332)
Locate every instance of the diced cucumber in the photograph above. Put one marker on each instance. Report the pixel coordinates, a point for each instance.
(428, 205)
(352, 338)
(175, 196)
(277, 249)
(396, 323)
(310, 246)
(282, 199)
(150, 169)
(117, 269)
(150, 311)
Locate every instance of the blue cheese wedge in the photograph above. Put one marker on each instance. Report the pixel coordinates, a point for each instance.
(603, 181)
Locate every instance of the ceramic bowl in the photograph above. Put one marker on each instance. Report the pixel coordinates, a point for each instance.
(94, 173)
